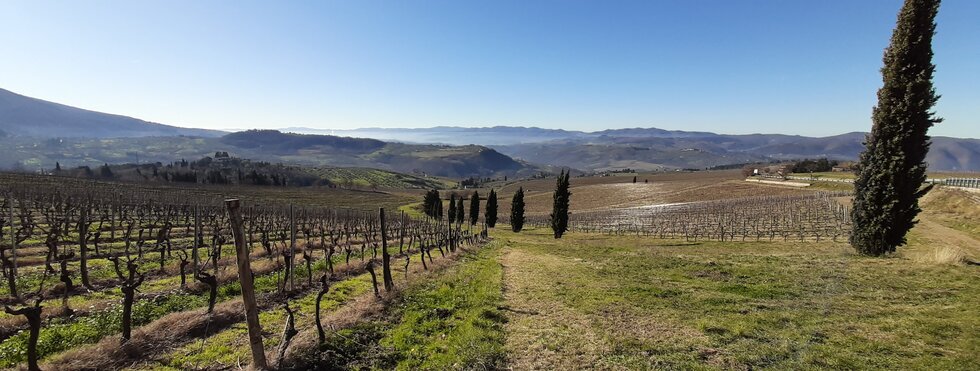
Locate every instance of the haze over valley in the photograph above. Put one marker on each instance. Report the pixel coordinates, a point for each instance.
(28, 124)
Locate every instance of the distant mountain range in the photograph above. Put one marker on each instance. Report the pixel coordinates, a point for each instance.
(653, 148)
(30, 153)
(37, 133)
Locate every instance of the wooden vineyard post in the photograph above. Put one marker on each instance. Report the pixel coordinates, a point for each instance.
(197, 239)
(292, 248)
(248, 290)
(112, 226)
(13, 247)
(385, 258)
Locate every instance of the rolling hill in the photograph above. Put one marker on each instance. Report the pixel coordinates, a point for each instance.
(36, 133)
(224, 169)
(653, 148)
(265, 145)
(32, 117)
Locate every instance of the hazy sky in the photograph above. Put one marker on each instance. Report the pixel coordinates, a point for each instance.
(800, 67)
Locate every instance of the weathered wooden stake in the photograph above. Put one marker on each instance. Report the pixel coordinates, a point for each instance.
(197, 240)
(292, 247)
(13, 243)
(83, 245)
(401, 238)
(385, 258)
(248, 290)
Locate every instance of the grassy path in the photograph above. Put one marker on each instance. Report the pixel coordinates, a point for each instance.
(612, 302)
(592, 301)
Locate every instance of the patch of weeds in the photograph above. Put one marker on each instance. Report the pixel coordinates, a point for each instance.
(452, 321)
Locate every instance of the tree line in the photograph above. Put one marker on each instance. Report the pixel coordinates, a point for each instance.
(456, 212)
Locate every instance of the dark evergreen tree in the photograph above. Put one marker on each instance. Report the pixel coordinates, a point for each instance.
(517, 211)
(892, 168)
(460, 213)
(57, 166)
(452, 208)
(491, 214)
(475, 208)
(634, 179)
(438, 206)
(559, 211)
(432, 204)
(105, 171)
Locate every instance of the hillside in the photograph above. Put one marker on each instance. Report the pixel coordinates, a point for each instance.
(25, 124)
(611, 156)
(453, 135)
(653, 148)
(359, 177)
(269, 146)
(222, 169)
(26, 116)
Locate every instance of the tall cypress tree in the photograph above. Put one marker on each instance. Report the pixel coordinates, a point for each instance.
(438, 206)
(892, 168)
(475, 208)
(559, 211)
(517, 211)
(460, 213)
(105, 171)
(452, 208)
(491, 214)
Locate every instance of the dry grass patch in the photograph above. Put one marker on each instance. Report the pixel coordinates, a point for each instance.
(542, 332)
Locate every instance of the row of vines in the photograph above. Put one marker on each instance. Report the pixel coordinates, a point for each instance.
(82, 264)
(809, 217)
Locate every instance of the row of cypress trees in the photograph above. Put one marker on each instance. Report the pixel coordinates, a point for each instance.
(457, 212)
(432, 206)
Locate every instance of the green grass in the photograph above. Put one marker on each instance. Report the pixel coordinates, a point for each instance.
(829, 175)
(375, 178)
(413, 210)
(669, 304)
(832, 186)
(230, 346)
(452, 321)
(61, 334)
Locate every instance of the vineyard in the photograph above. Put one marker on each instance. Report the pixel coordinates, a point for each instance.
(144, 273)
(806, 217)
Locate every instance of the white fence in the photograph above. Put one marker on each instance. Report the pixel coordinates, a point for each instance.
(953, 182)
(960, 182)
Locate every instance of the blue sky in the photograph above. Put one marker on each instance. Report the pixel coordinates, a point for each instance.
(797, 67)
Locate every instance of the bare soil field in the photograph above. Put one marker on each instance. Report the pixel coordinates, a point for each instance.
(619, 191)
